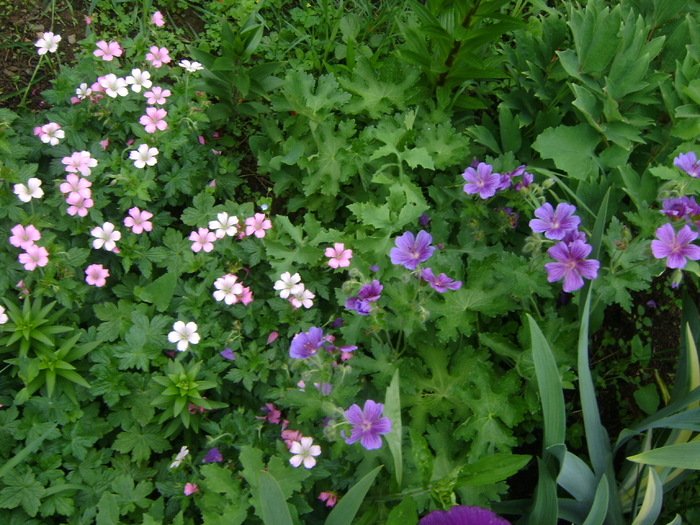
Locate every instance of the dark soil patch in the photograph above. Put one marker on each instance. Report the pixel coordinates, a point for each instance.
(20, 28)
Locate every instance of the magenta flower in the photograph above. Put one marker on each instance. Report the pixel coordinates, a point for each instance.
(213, 456)
(202, 239)
(571, 266)
(157, 95)
(306, 344)
(154, 119)
(481, 181)
(96, 275)
(440, 283)
(553, 223)
(157, 19)
(410, 251)
(688, 162)
(675, 248)
(33, 257)
(331, 498)
(257, 225)
(463, 515)
(158, 56)
(107, 51)
(24, 237)
(339, 256)
(190, 488)
(367, 425)
(138, 220)
(272, 414)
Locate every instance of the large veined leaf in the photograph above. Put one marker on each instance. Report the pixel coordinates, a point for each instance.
(274, 507)
(392, 410)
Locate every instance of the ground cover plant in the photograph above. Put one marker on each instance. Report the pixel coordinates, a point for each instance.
(339, 262)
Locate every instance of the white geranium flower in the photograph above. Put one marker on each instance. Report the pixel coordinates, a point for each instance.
(3, 315)
(105, 237)
(139, 79)
(183, 334)
(31, 191)
(184, 451)
(114, 85)
(288, 284)
(48, 43)
(225, 225)
(190, 66)
(144, 156)
(304, 452)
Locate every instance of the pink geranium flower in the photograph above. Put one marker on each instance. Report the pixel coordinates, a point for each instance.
(107, 51)
(80, 161)
(78, 205)
(157, 19)
(158, 56)
(202, 239)
(190, 488)
(138, 220)
(339, 256)
(48, 43)
(257, 225)
(24, 237)
(34, 256)
(157, 95)
(76, 184)
(50, 133)
(153, 119)
(96, 275)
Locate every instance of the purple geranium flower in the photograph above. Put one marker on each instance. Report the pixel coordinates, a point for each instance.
(367, 424)
(368, 294)
(213, 456)
(688, 162)
(424, 220)
(481, 181)
(553, 223)
(573, 235)
(227, 353)
(371, 292)
(675, 248)
(463, 515)
(440, 283)
(571, 266)
(681, 207)
(410, 251)
(306, 344)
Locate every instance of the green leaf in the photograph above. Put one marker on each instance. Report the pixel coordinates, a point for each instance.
(492, 469)
(545, 511)
(160, 292)
(274, 506)
(549, 384)
(599, 508)
(344, 512)
(405, 513)
(29, 449)
(140, 442)
(107, 509)
(392, 410)
(683, 455)
(653, 498)
(571, 148)
(23, 489)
